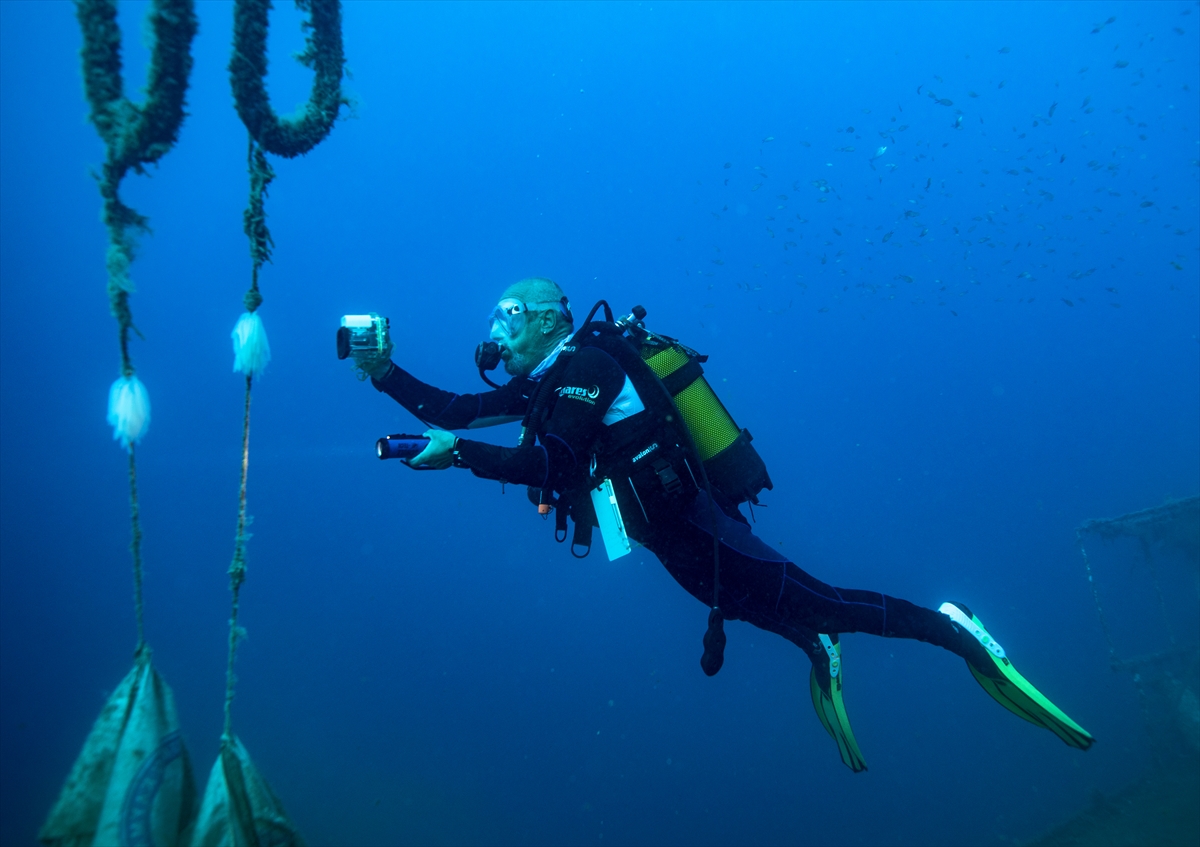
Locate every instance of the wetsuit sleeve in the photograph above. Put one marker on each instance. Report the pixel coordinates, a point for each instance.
(447, 410)
(588, 386)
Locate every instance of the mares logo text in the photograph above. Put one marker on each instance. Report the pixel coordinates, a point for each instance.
(587, 395)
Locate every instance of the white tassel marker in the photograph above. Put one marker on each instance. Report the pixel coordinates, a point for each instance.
(128, 410)
(251, 352)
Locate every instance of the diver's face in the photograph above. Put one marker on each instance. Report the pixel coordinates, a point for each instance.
(521, 351)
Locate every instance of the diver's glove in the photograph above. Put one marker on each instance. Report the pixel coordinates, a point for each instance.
(375, 365)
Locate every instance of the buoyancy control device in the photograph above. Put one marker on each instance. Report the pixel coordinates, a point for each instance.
(670, 379)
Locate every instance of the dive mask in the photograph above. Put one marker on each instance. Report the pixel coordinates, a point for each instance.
(510, 315)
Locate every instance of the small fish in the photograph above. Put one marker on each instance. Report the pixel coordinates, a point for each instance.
(887, 236)
(903, 277)
(924, 232)
(718, 261)
(845, 150)
(1146, 204)
(1177, 266)
(1050, 113)
(902, 127)
(850, 129)
(768, 138)
(1013, 171)
(1068, 302)
(954, 313)
(756, 186)
(782, 197)
(1062, 158)
(806, 144)
(919, 87)
(729, 164)
(836, 231)
(972, 94)
(1120, 63)
(822, 309)
(1086, 100)
(958, 122)
(945, 102)
(928, 182)
(1003, 50)
(1111, 290)
(880, 152)
(909, 213)
(1001, 85)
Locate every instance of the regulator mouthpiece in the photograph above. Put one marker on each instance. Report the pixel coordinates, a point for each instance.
(487, 358)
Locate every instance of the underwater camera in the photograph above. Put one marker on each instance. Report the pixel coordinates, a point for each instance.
(362, 335)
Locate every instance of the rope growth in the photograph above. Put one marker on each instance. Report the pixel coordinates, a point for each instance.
(134, 136)
(287, 137)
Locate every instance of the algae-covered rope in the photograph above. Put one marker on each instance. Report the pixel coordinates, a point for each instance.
(288, 137)
(283, 137)
(237, 568)
(133, 136)
(254, 221)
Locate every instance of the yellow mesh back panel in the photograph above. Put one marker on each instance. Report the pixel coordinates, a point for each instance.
(710, 425)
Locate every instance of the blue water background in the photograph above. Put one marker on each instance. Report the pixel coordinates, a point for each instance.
(424, 663)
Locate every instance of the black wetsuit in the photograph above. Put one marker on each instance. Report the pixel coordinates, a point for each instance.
(758, 585)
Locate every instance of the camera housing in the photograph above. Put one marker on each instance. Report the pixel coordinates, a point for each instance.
(362, 336)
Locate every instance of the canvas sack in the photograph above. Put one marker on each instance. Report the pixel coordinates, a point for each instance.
(239, 808)
(132, 784)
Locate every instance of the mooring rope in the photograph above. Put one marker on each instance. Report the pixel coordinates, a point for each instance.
(133, 136)
(288, 137)
(135, 548)
(285, 137)
(237, 569)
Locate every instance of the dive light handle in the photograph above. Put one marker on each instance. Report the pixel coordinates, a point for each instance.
(401, 446)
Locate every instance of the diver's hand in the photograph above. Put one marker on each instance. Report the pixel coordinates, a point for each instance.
(439, 455)
(376, 366)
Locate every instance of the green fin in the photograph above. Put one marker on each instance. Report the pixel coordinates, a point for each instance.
(825, 685)
(1011, 690)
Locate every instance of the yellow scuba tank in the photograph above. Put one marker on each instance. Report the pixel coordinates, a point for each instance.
(732, 464)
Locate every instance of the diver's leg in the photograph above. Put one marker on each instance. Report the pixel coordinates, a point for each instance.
(762, 587)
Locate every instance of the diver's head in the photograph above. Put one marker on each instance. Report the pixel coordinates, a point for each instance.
(528, 322)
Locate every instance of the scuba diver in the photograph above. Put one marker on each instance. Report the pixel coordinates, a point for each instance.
(622, 433)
